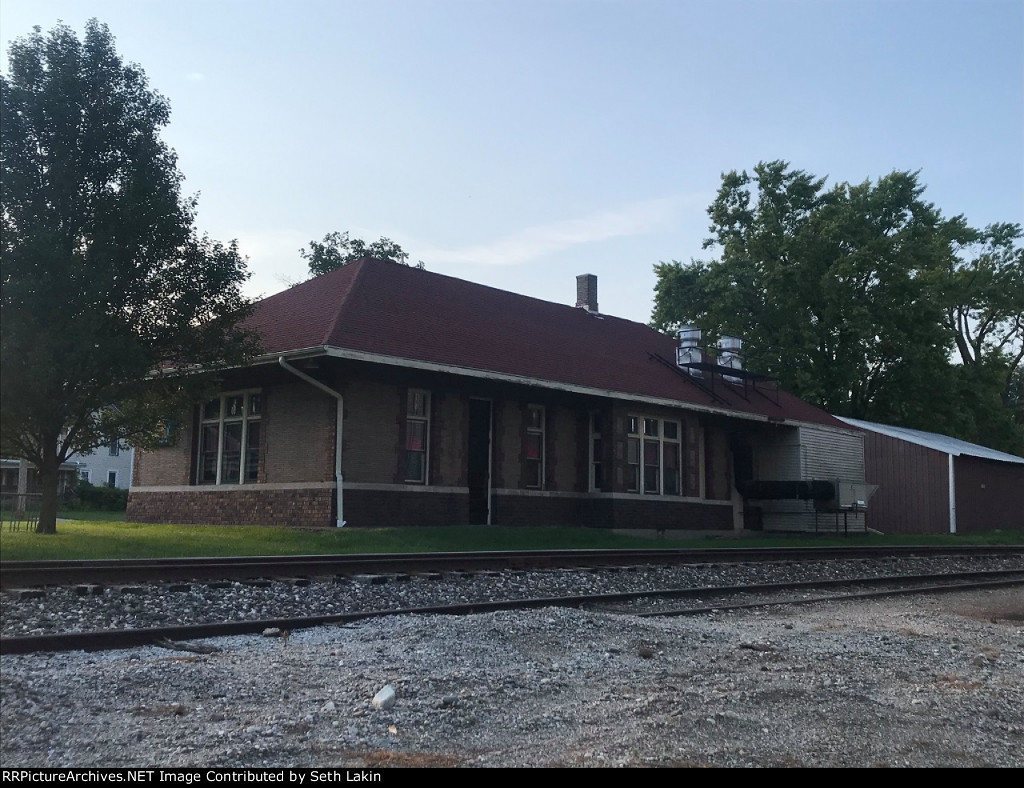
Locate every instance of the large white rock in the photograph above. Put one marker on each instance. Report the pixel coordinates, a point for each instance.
(385, 699)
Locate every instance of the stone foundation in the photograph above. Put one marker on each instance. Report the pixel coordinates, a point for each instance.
(402, 506)
(244, 506)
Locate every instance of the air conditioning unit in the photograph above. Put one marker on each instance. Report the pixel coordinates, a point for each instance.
(848, 497)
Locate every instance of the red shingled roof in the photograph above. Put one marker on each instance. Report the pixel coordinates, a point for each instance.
(394, 310)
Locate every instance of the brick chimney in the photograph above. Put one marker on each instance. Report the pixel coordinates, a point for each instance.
(586, 292)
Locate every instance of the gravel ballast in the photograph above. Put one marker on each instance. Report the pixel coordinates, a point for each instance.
(150, 605)
(909, 681)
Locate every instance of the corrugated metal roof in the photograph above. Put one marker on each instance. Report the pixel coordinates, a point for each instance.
(397, 311)
(934, 440)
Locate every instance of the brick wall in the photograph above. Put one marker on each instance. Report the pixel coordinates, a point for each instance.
(449, 439)
(374, 413)
(512, 508)
(717, 465)
(404, 507)
(663, 513)
(508, 508)
(561, 445)
(691, 446)
(298, 434)
(248, 505)
(508, 435)
(167, 465)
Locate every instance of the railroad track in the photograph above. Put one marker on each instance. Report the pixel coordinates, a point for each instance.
(31, 574)
(643, 603)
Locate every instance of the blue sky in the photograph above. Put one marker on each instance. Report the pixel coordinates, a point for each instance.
(520, 143)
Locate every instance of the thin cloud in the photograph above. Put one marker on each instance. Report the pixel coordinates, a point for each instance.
(196, 76)
(534, 242)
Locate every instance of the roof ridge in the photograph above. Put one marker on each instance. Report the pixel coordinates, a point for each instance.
(339, 310)
(525, 297)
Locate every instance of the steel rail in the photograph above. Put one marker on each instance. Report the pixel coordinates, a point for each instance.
(860, 595)
(27, 574)
(129, 638)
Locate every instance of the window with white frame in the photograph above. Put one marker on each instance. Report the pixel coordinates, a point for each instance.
(114, 447)
(111, 478)
(653, 456)
(417, 436)
(533, 448)
(229, 442)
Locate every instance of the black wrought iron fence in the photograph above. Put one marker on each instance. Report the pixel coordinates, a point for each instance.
(19, 510)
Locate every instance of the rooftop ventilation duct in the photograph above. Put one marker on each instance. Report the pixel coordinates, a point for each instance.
(688, 354)
(689, 336)
(729, 356)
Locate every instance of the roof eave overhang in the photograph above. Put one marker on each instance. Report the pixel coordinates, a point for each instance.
(523, 380)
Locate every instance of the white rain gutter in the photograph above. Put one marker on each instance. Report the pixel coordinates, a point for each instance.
(337, 432)
(952, 497)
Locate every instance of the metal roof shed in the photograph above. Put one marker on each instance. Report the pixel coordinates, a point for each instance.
(932, 483)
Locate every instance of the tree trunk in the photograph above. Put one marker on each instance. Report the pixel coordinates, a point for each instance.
(49, 474)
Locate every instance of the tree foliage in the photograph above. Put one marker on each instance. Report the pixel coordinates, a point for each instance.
(337, 249)
(105, 281)
(982, 291)
(854, 297)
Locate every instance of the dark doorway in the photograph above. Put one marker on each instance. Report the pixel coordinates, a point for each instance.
(743, 472)
(742, 464)
(479, 461)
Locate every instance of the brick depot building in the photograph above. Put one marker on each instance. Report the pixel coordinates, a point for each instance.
(388, 395)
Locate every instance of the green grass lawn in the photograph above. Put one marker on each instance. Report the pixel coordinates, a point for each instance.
(104, 537)
(110, 517)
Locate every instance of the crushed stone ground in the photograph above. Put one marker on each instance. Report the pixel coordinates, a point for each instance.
(904, 682)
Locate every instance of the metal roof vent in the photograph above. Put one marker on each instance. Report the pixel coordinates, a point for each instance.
(689, 336)
(688, 354)
(729, 356)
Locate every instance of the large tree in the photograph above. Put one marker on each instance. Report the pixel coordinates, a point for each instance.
(854, 297)
(338, 249)
(109, 295)
(981, 288)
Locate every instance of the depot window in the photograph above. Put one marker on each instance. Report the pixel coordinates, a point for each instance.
(533, 448)
(417, 434)
(229, 442)
(653, 453)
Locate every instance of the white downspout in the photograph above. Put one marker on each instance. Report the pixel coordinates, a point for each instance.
(952, 497)
(337, 432)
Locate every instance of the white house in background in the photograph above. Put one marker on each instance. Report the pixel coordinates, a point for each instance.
(18, 477)
(107, 466)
